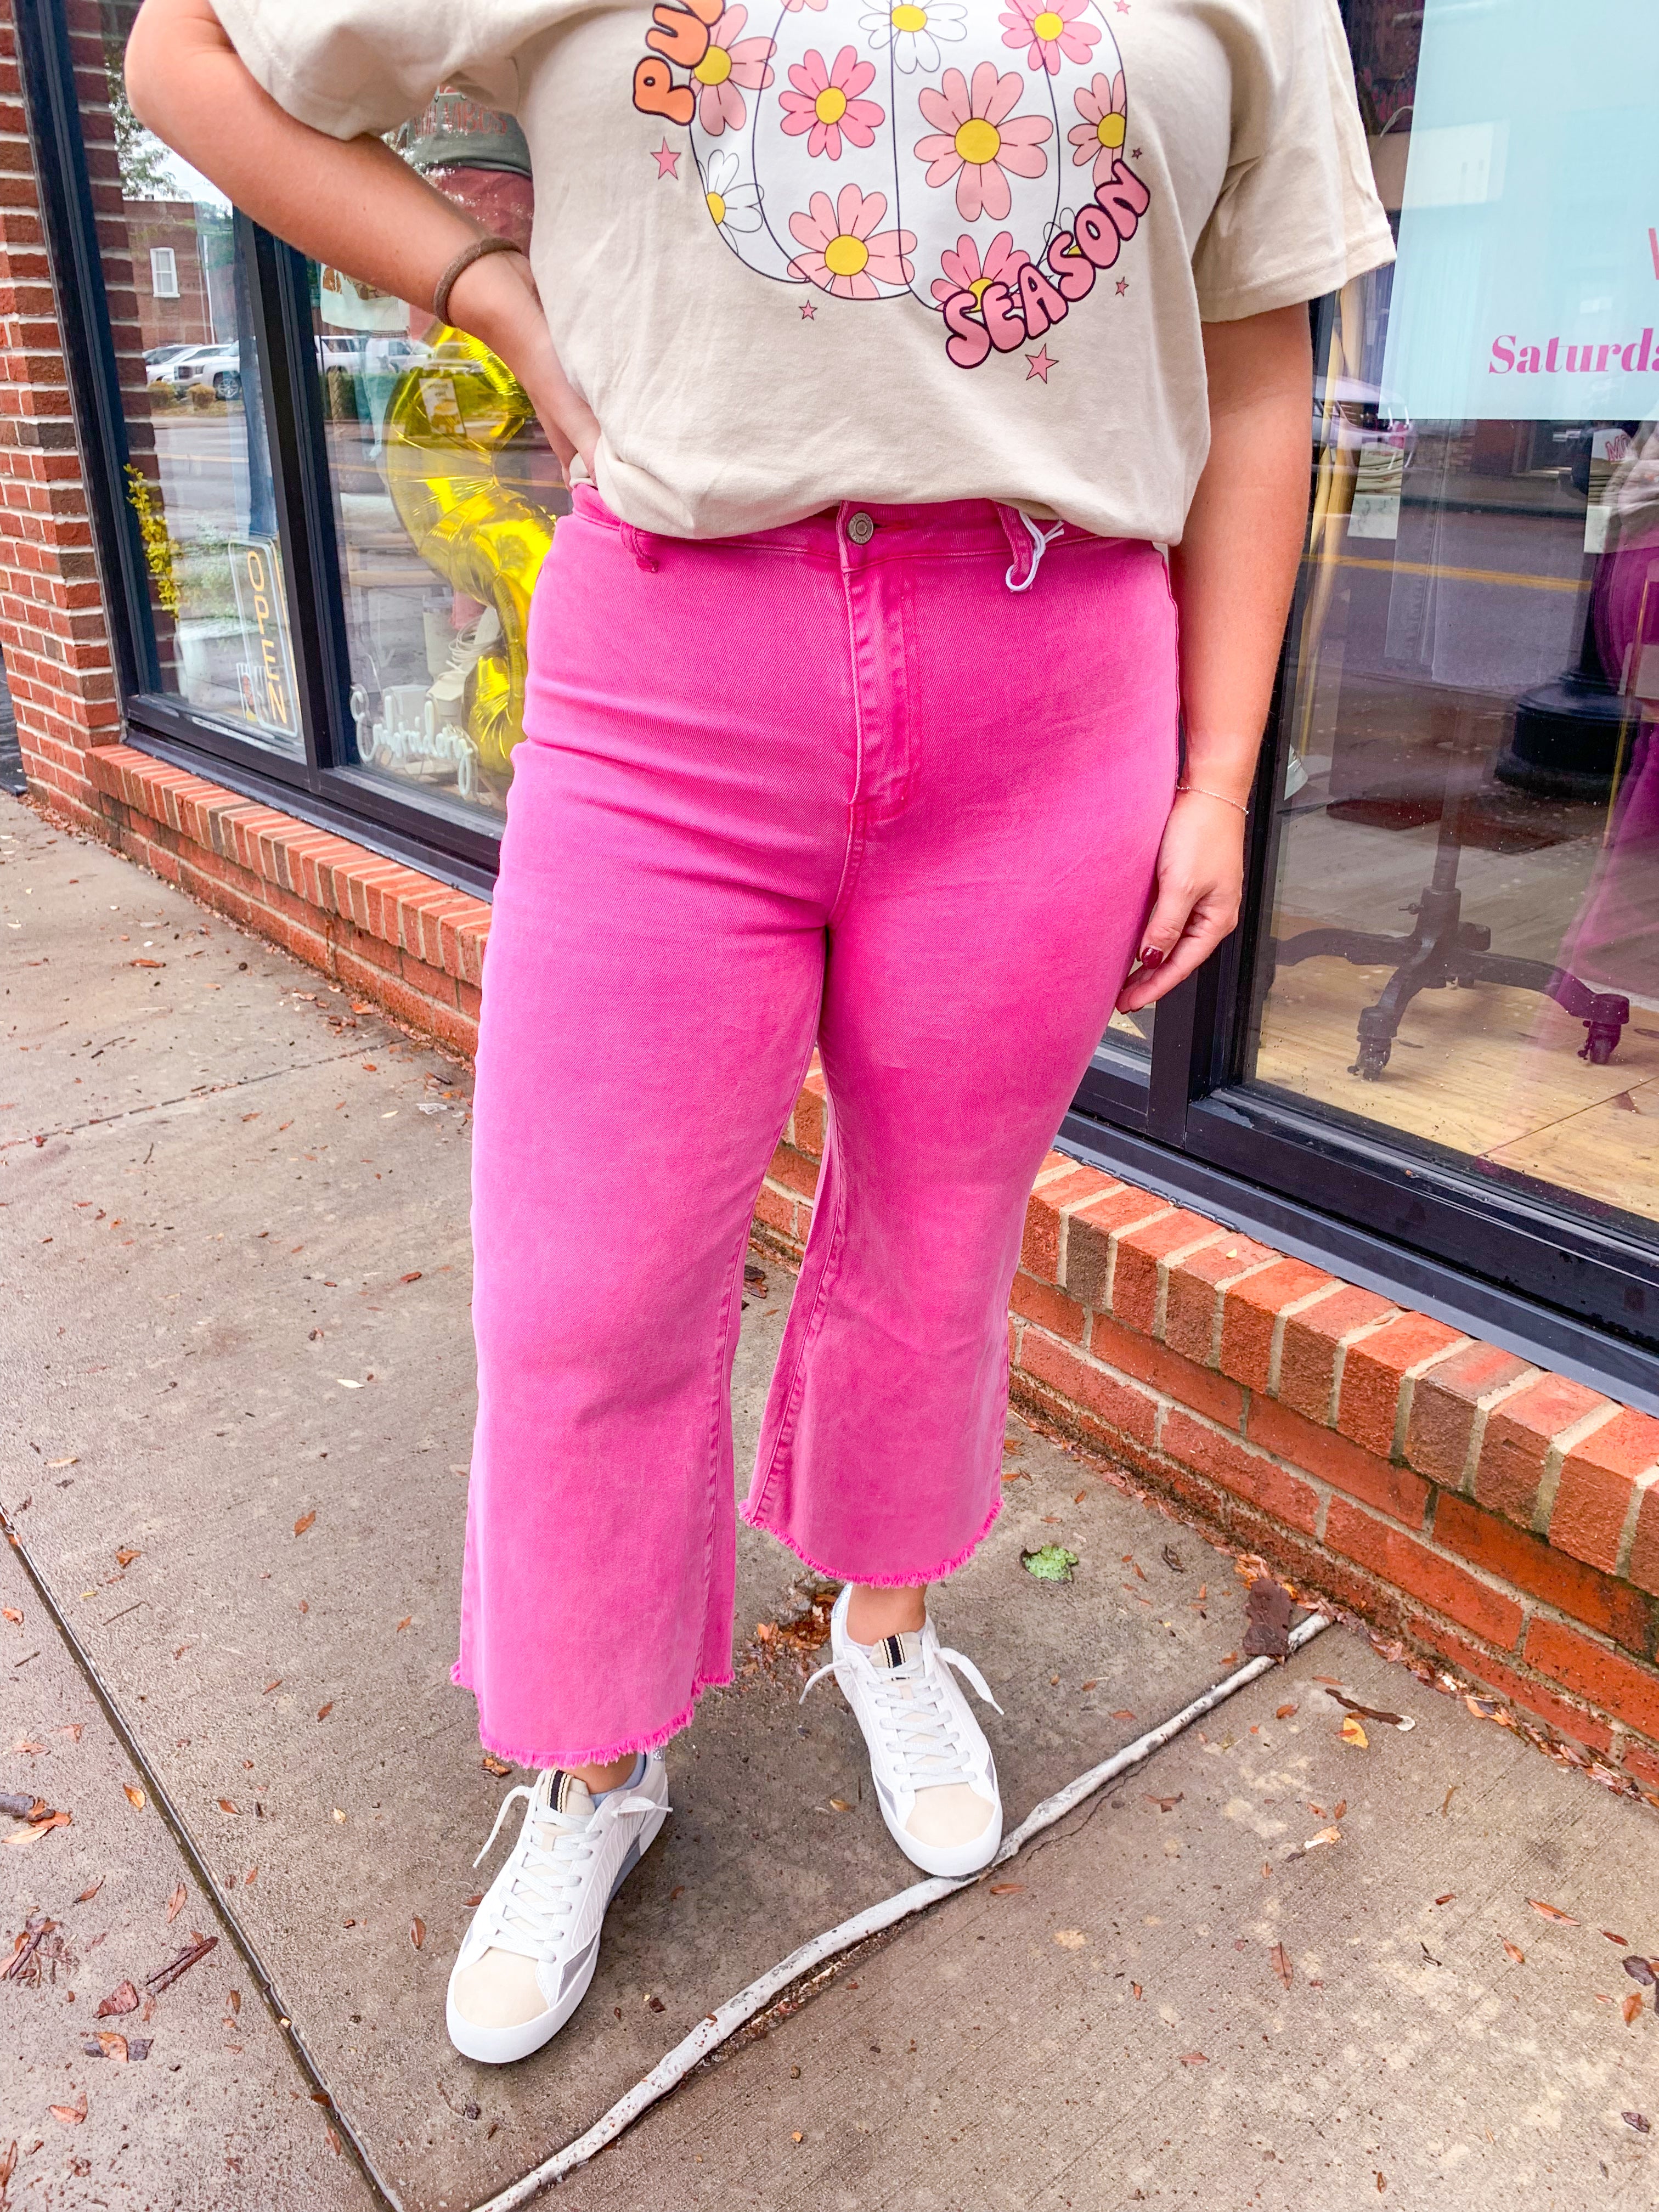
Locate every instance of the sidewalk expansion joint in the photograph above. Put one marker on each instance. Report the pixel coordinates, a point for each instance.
(202, 1092)
(175, 1820)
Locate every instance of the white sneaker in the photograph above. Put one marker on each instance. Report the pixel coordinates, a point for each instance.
(525, 1962)
(935, 1779)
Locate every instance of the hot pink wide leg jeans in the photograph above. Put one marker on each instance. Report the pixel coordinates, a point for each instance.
(822, 784)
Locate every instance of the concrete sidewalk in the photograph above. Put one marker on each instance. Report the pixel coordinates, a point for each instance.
(238, 1403)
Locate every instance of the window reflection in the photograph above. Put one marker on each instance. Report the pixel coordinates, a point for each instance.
(198, 477)
(1464, 937)
(446, 493)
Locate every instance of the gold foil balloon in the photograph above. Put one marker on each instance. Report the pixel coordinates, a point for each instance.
(449, 424)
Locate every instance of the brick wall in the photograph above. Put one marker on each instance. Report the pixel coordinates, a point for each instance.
(1501, 1521)
(52, 628)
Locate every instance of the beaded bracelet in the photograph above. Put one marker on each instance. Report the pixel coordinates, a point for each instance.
(464, 261)
(1198, 790)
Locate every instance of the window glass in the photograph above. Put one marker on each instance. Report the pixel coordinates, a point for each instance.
(1463, 935)
(445, 491)
(199, 475)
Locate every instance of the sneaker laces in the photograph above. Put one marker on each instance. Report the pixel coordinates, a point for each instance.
(915, 1721)
(546, 1879)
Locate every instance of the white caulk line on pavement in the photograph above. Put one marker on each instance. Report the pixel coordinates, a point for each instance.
(716, 2027)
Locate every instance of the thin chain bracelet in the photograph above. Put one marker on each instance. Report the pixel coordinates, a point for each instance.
(1241, 805)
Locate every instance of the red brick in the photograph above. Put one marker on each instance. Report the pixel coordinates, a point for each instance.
(1039, 1251)
(1090, 1233)
(1394, 1491)
(1142, 1258)
(1248, 1474)
(1598, 1487)
(1531, 1563)
(1533, 1697)
(1410, 1566)
(1445, 1408)
(1514, 1450)
(1644, 1550)
(1602, 1678)
(807, 1125)
(1200, 1389)
(776, 1209)
(1375, 1377)
(1641, 1761)
(1116, 1406)
(1048, 1308)
(1251, 1309)
(1197, 1285)
(1307, 1359)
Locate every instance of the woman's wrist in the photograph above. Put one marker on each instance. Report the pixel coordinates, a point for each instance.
(492, 297)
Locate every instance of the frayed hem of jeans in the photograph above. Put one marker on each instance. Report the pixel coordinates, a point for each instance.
(607, 1754)
(937, 1574)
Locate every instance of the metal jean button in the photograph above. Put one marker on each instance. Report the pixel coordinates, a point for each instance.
(861, 528)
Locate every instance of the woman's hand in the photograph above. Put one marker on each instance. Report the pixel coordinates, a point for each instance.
(1200, 878)
(495, 299)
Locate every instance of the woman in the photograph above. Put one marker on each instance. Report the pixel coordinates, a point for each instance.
(887, 345)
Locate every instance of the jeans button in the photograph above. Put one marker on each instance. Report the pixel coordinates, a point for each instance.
(861, 528)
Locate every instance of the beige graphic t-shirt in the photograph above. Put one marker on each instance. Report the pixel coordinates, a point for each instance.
(794, 252)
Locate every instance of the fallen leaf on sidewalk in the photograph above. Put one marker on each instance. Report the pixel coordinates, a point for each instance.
(1194, 2058)
(1166, 1804)
(491, 1765)
(113, 2046)
(408, 1617)
(1134, 1989)
(71, 1729)
(1552, 1912)
(1622, 1941)
(1005, 1889)
(304, 1522)
(121, 1999)
(1636, 2120)
(70, 2115)
(1325, 1836)
(10, 1613)
(176, 1902)
(839, 1805)
(1049, 1563)
(1447, 1898)
(1172, 1559)
(270, 1686)
(32, 1830)
(225, 1806)
(1372, 1712)
(1640, 1970)
(1517, 1956)
(1339, 1808)
(181, 1962)
(1282, 1967)
(1631, 2007)
(323, 1711)
(1269, 1635)
(1350, 1732)
(1093, 1683)
(417, 1931)
(126, 1555)
(87, 1895)
(23, 1966)
(1284, 1712)
(1124, 1714)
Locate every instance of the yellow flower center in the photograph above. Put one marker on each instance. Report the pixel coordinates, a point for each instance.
(845, 256)
(978, 142)
(1047, 25)
(979, 288)
(1111, 132)
(715, 67)
(716, 206)
(831, 105)
(907, 18)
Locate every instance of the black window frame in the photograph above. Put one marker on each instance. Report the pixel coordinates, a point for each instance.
(1580, 1293)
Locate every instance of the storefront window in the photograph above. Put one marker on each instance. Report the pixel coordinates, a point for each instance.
(199, 475)
(1462, 942)
(446, 492)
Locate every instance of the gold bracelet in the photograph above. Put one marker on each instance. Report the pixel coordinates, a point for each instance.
(1243, 805)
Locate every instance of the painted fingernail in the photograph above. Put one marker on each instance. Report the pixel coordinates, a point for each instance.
(1151, 957)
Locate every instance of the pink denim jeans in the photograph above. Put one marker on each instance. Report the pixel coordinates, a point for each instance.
(825, 785)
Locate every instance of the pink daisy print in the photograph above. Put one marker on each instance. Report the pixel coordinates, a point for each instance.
(732, 60)
(824, 101)
(1104, 106)
(965, 272)
(978, 141)
(794, 7)
(1049, 30)
(845, 253)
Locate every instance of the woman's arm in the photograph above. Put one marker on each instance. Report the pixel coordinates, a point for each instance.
(1233, 574)
(350, 202)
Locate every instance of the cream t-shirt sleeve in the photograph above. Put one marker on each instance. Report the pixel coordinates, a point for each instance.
(348, 67)
(1299, 214)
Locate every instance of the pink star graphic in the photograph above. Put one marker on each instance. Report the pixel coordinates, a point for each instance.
(1135, 153)
(809, 312)
(1122, 7)
(668, 160)
(1122, 286)
(1040, 363)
